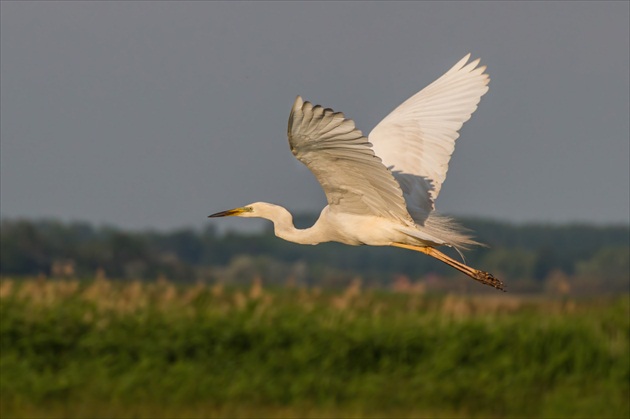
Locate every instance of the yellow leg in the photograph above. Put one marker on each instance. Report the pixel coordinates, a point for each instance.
(481, 276)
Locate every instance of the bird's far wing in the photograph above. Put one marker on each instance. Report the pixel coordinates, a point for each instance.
(416, 140)
(341, 158)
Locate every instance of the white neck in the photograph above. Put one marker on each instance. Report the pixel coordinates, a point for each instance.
(283, 225)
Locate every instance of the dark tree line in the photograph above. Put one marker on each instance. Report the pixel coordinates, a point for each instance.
(531, 251)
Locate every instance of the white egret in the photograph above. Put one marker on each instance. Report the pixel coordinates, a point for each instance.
(381, 189)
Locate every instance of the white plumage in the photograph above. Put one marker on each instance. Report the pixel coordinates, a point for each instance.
(382, 192)
(417, 139)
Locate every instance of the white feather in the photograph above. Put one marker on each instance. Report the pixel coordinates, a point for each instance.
(417, 139)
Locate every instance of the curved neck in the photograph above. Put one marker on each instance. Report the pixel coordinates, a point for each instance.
(283, 226)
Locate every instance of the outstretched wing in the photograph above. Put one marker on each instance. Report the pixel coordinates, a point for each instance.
(417, 139)
(341, 158)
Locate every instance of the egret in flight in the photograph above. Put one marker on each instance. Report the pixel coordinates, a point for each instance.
(381, 189)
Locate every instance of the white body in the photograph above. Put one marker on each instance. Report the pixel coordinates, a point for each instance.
(344, 228)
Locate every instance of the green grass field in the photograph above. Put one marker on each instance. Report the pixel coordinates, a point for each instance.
(128, 349)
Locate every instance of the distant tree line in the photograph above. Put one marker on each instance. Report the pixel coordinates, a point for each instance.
(525, 254)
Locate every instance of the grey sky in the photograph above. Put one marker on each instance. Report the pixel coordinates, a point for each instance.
(157, 114)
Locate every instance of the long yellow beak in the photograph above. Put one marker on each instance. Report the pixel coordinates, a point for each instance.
(235, 211)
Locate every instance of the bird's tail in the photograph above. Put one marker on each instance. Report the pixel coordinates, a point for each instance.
(440, 230)
(450, 232)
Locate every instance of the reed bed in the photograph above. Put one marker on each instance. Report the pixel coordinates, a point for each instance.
(101, 347)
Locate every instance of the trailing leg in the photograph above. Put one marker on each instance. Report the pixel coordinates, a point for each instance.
(477, 275)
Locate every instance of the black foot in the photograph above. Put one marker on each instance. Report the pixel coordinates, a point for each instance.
(488, 279)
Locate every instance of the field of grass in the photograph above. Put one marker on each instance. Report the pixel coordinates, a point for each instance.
(130, 349)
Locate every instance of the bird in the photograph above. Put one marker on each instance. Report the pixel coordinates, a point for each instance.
(381, 189)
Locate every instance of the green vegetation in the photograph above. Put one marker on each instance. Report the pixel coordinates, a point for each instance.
(137, 349)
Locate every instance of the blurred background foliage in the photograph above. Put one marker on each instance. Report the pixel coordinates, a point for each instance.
(529, 258)
(102, 322)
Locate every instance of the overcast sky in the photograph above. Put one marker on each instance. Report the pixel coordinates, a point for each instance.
(156, 114)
